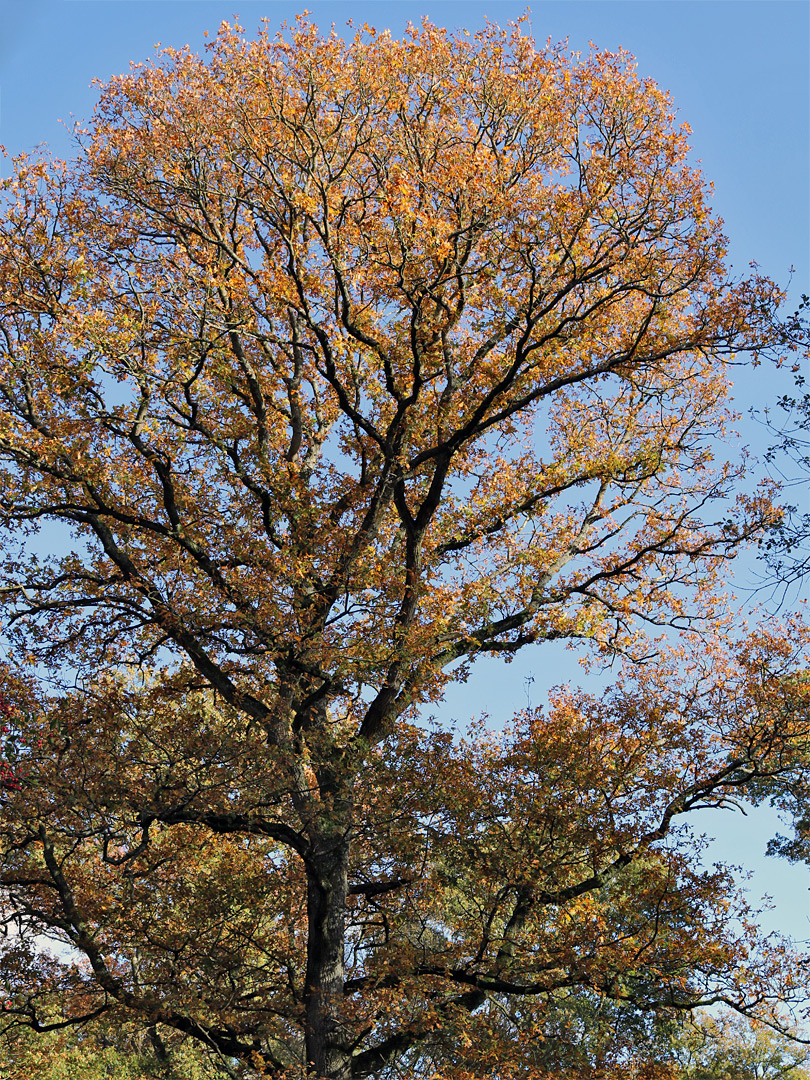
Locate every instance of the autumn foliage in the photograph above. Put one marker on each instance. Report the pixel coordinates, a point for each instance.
(338, 367)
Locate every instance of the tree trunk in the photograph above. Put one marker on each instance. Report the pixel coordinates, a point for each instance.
(327, 1041)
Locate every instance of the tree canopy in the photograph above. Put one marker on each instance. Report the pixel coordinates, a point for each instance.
(339, 366)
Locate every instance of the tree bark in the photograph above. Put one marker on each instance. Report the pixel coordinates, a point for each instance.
(327, 1044)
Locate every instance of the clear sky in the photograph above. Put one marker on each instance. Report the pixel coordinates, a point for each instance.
(738, 71)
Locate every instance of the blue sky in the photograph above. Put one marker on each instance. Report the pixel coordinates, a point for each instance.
(738, 71)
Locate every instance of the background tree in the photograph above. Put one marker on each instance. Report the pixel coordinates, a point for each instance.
(110, 1048)
(343, 366)
(726, 1047)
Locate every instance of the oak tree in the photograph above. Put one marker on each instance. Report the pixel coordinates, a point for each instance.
(337, 367)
